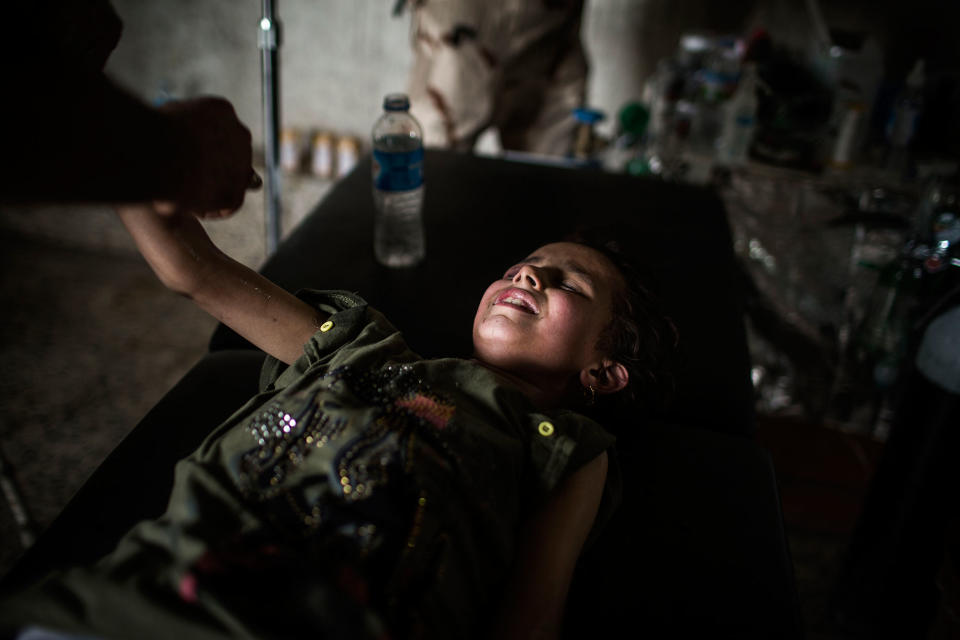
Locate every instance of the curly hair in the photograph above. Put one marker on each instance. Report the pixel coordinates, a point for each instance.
(640, 336)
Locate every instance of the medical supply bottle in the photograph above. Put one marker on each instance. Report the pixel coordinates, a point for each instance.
(740, 120)
(904, 117)
(398, 239)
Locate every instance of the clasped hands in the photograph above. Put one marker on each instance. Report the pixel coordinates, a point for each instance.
(215, 163)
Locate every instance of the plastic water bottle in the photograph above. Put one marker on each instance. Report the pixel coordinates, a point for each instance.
(398, 185)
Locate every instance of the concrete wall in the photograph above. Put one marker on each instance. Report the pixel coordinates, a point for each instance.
(337, 58)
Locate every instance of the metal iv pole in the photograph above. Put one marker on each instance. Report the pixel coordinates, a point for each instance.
(269, 44)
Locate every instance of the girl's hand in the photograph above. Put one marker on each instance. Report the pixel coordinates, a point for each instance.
(169, 208)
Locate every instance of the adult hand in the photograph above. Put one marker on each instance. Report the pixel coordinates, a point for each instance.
(213, 156)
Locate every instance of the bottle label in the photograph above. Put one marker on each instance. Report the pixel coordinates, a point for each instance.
(398, 171)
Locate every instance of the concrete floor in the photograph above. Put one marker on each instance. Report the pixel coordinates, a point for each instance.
(89, 341)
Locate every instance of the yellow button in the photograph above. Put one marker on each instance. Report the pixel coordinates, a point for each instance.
(326, 326)
(545, 428)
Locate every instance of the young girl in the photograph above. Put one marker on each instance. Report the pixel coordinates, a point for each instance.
(365, 492)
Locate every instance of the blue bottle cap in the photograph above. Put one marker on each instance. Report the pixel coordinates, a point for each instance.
(588, 116)
(396, 102)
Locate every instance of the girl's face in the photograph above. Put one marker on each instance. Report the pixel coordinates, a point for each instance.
(544, 316)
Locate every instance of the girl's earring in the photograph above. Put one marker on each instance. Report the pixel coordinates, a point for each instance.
(590, 395)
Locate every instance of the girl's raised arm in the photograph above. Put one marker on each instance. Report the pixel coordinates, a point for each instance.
(186, 261)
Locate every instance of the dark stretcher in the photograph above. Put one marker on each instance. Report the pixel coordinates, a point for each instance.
(698, 543)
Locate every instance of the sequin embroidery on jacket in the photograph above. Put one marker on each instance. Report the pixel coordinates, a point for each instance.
(357, 431)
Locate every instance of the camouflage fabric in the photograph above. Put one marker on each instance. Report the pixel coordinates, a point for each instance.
(517, 65)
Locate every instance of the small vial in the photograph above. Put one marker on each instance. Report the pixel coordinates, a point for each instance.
(290, 150)
(321, 161)
(348, 152)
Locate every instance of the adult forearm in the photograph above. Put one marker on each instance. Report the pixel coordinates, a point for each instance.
(84, 139)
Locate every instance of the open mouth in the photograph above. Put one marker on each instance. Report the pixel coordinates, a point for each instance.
(519, 299)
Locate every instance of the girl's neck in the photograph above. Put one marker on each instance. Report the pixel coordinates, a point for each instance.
(543, 396)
